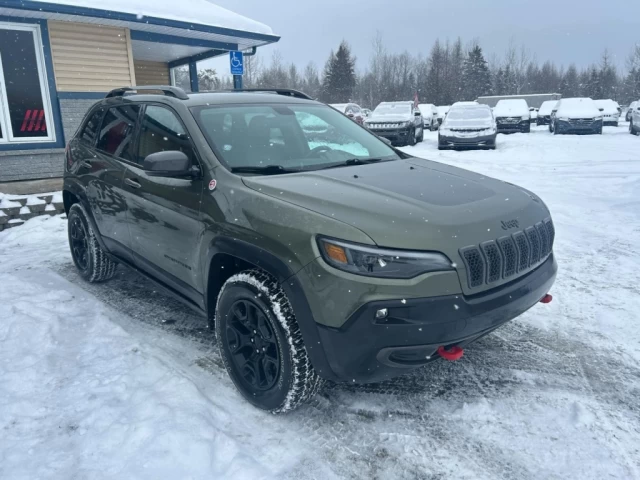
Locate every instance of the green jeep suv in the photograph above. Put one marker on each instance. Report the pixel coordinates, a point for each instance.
(314, 249)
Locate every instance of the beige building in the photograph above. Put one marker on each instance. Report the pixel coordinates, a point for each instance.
(57, 59)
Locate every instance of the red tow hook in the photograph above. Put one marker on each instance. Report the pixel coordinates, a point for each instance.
(453, 354)
(546, 299)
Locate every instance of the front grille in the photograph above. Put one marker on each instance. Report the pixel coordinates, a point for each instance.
(509, 120)
(581, 122)
(507, 256)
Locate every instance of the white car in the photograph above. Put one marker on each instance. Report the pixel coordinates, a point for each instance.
(544, 114)
(429, 115)
(533, 113)
(512, 115)
(611, 111)
(442, 112)
(634, 118)
(576, 115)
(630, 110)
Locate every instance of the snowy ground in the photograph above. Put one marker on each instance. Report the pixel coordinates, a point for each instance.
(117, 381)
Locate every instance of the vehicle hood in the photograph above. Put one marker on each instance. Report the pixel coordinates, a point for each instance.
(412, 204)
(469, 123)
(578, 111)
(389, 117)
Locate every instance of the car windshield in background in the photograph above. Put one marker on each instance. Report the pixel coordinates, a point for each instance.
(393, 109)
(272, 139)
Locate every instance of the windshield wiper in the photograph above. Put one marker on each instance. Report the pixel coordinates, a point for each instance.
(353, 161)
(266, 170)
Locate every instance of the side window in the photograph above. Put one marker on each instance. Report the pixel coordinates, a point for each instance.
(162, 131)
(116, 133)
(89, 132)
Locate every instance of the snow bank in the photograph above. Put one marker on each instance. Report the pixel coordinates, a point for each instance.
(201, 12)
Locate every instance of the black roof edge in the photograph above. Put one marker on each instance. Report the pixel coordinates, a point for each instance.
(167, 90)
(287, 92)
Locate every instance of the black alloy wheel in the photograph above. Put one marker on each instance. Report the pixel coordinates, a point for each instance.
(253, 345)
(79, 243)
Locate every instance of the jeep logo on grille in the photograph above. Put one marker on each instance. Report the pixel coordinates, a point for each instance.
(510, 224)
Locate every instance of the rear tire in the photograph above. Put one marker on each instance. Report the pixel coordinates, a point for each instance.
(253, 312)
(89, 258)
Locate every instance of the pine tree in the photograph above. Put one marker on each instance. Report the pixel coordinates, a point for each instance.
(339, 80)
(499, 85)
(477, 78)
(570, 83)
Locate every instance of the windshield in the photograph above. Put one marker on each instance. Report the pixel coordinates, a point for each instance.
(293, 137)
(393, 109)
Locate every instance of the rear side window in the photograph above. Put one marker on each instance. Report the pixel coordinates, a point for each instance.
(89, 132)
(161, 131)
(116, 135)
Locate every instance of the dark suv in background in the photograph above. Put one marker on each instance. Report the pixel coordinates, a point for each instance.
(314, 249)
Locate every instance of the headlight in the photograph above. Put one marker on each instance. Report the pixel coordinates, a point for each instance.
(526, 117)
(379, 262)
(563, 119)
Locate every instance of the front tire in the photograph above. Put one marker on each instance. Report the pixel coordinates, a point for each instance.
(412, 137)
(89, 258)
(261, 344)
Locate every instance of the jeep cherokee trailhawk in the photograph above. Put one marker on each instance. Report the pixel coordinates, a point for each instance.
(315, 250)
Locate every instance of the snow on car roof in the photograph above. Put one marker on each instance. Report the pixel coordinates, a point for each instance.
(515, 107)
(341, 107)
(579, 107)
(201, 12)
(547, 107)
(610, 106)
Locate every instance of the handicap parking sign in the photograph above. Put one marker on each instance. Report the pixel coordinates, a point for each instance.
(237, 63)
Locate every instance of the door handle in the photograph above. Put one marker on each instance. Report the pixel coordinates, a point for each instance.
(132, 183)
(86, 164)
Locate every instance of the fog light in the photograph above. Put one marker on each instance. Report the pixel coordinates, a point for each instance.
(382, 313)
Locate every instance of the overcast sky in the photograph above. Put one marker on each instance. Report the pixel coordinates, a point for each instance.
(564, 31)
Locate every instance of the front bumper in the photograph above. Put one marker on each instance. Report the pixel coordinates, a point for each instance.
(397, 136)
(577, 126)
(451, 141)
(366, 349)
(521, 126)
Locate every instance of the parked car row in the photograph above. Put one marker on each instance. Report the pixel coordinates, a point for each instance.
(399, 122)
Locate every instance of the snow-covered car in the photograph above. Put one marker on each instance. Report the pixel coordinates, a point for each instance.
(533, 112)
(634, 118)
(468, 126)
(576, 115)
(442, 112)
(429, 115)
(512, 116)
(351, 110)
(544, 113)
(632, 107)
(611, 112)
(366, 112)
(399, 122)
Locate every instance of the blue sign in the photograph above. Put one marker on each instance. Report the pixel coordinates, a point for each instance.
(237, 63)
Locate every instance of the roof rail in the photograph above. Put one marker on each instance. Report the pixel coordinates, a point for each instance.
(167, 90)
(287, 92)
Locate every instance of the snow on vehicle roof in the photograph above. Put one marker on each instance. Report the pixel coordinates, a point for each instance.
(462, 104)
(547, 107)
(442, 109)
(577, 108)
(515, 107)
(201, 12)
(610, 106)
(429, 106)
(341, 107)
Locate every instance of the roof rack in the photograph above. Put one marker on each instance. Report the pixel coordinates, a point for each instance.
(287, 92)
(167, 90)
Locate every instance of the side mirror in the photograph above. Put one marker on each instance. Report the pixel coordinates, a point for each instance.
(601, 109)
(171, 163)
(417, 114)
(638, 109)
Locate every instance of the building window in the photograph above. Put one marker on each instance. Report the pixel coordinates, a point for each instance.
(25, 113)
